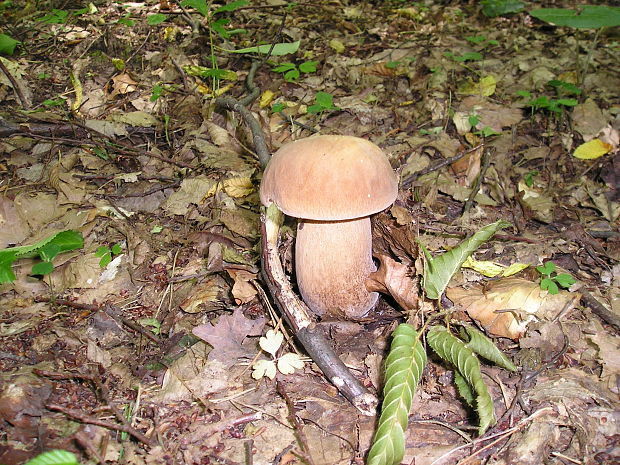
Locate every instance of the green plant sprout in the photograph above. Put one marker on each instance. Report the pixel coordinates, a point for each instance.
(485, 131)
(552, 281)
(46, 249)
(555, 106)
(322, 102)
(529, 177)
(106, 253)
(292, 72)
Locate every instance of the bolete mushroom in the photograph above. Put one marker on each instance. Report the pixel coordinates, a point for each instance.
(332, 184)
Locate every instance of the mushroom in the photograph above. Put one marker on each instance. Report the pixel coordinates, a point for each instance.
(332, 184)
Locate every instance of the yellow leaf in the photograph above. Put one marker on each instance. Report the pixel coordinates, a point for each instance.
(485, 87)
(484, 267)
(514, 269)
(266, 98)
(238, 187)
(591, 150)
(337, 45)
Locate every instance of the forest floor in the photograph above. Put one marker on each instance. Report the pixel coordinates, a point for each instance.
(109, 128)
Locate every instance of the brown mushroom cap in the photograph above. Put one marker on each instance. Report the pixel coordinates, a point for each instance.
(329, 178)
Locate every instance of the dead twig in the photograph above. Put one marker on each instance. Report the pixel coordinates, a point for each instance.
(600, 310)
(17, 87)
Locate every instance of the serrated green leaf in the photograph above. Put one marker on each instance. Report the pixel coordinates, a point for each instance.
(546, 269)
(54, 457)
(464, 389)
(403, 370)
(485, 347)
(439, 270)
(454, 351)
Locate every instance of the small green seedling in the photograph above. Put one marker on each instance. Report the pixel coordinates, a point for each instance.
(323, 101)
(46, 249)
(551, 280)
(292, 72)
(485, 131)
(153, 323)
(555, 106)
(155, 19)
(106, 253)
(529, 177)
(126, 20)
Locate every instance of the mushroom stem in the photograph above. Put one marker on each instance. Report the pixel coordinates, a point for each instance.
(333, 261)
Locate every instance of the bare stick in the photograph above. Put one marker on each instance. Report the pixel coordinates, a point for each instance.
(298, 317)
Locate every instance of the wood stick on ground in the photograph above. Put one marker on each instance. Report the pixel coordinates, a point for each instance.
(298, 316)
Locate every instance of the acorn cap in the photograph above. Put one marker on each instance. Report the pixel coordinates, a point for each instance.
(329, 178)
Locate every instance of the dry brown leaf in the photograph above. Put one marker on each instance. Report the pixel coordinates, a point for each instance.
(505, 307)
(243, 290)
(228, 334)
(209, 295)
(395, 279)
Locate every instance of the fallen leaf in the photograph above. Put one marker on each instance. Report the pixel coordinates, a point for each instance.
(227, 336)
(592, 150)
(505, 307)
(396, 279)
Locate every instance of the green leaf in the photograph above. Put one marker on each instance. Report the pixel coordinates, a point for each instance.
(7, 44)
(565, 280)
(198, 5)
(278, 49)
(117, 248)
(485, 347)
(49, 251)
(155, 19)
(468, 56)
(126, 21)
(548, 284)
(494, 8)
(55, 17)
(291, 76)
(308, 66)
(106, 258)
(232, 6)
(324, 99)
(54, 457)
(219, 26)
(284, 67)
(589, 17)
(49, 247)
(566, 86)
(403, 370)
(277, 107)
(439, 270)
(316, 108)
(464, 389)
(453, 350)
(6, 262)
(42, 268)
(546, 269)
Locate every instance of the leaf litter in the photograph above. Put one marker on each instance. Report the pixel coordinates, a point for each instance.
(424, 82)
